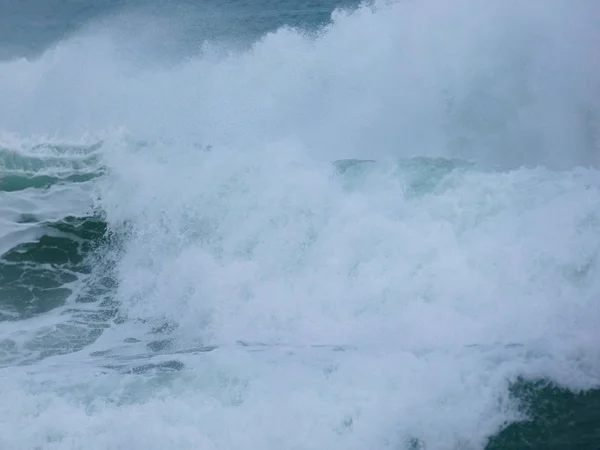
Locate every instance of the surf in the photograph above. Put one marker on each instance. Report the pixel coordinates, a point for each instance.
(380, 231)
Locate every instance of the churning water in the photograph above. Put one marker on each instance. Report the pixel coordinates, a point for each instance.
(290, 226)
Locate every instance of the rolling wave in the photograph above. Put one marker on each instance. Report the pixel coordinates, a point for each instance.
(392, 240)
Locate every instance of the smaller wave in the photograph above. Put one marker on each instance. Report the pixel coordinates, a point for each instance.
(41, 184)
(43, 166)
(48, 157)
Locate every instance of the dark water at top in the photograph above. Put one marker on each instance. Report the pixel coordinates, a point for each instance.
(28, 27)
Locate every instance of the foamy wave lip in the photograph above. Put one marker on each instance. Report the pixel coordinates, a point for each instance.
(491, 83)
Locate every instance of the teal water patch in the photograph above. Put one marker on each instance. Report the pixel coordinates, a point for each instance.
(64, 274)
(37, 277)
(52, 300)
(44, 166)
(12, 183)
(558, 419)
(419, 176)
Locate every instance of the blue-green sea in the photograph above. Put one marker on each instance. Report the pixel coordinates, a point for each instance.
(301, 225)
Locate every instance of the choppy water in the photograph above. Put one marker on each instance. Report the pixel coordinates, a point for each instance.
(284, 226)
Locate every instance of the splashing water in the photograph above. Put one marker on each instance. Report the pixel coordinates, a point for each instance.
(358, 235)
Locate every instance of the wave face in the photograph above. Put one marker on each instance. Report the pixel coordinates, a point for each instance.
(381, 231)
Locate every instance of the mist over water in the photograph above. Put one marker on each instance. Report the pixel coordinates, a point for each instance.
(352, 235)
(505, 82)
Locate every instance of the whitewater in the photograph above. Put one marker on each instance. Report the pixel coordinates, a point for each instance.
(377, 232)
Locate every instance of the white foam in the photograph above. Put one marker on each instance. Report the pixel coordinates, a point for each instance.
(236, 399)
(262, 246)
(444, 297)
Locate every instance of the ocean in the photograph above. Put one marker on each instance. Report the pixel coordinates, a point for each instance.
(299, 225)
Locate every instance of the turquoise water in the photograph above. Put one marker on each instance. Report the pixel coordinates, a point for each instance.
(299, 225)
